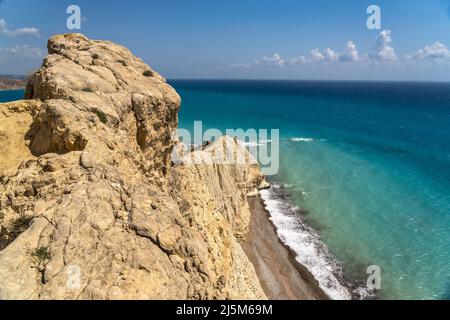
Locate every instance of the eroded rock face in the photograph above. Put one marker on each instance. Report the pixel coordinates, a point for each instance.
(104, 214)
(83, 81)
(15, 121)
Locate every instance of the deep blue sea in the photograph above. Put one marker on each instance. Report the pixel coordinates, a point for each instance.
(368, 164)
(11, 95)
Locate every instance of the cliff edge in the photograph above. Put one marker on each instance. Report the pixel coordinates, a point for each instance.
(91, 205)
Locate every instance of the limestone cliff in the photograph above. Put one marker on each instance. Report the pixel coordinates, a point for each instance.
(91, 205)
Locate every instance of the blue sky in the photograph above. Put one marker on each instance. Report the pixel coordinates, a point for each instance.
(258, 39)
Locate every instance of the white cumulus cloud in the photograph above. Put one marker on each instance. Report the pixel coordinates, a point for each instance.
(298, 60)
(435, 51)
(4, 30)
(327, 55)
(23, 51)
(276, 61)
(330, 55)
(351, 54)
(317, 55)
(384, 50)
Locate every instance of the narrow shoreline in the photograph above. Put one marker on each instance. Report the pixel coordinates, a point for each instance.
(281, 276)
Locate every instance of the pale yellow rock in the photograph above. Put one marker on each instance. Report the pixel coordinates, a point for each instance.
(117, 220)
(15, 119)
(19, 279)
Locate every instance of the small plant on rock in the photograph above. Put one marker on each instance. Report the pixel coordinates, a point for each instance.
(41, 255)
(148, 73)
(101, 115)
(20, 225)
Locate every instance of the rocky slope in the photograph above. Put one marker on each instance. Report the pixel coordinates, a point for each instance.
(95, 208)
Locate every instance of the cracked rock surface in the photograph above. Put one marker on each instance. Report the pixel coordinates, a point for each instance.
(95, 209)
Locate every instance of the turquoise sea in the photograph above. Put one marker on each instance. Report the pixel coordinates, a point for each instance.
(365, 164)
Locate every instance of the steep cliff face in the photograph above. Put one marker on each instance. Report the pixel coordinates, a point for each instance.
(96, 210)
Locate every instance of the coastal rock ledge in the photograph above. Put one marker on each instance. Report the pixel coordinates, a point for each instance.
(95, 208)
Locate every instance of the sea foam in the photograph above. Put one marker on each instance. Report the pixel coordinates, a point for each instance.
(306, 244)
(258, 143)
(302, 139)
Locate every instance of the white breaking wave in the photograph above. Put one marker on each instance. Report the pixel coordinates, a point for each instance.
(302, 139)
(255, 143)
(310, 251)
(251, 144)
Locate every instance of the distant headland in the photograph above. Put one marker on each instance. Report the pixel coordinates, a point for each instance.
(12, 82)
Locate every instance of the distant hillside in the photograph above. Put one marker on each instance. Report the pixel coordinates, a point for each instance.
(11, 83)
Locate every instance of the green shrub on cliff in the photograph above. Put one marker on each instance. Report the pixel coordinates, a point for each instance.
(101, 115)
(41, 254)
(20, 225)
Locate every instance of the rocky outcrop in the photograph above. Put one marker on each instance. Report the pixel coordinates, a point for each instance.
(97, 209)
